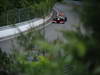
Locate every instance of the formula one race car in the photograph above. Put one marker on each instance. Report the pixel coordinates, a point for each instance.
(59, 19)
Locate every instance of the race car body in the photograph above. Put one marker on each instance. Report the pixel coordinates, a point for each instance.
(59, 19)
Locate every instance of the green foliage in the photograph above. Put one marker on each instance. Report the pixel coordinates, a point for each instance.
(90, 17)
(76, 43)
(59, 58)
(5, 63)
(28, 40)
(26, 67)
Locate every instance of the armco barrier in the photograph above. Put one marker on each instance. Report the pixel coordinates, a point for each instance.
(7, 31)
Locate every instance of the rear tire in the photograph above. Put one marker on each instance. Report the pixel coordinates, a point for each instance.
(65, 18)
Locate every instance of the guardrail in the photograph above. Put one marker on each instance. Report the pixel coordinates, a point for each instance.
(8, 32)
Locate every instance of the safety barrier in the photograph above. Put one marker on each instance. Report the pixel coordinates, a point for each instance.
(8, 32)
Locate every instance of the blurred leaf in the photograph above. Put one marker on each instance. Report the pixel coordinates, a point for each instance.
(81, 48)
(97, 70)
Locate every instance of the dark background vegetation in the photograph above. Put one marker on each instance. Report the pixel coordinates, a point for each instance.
(15, 11)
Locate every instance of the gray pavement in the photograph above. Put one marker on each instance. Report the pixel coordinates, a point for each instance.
(51, 31)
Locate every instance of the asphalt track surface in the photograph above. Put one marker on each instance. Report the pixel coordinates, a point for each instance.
(52, 30)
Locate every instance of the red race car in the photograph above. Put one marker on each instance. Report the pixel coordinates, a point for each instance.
(59, 19)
